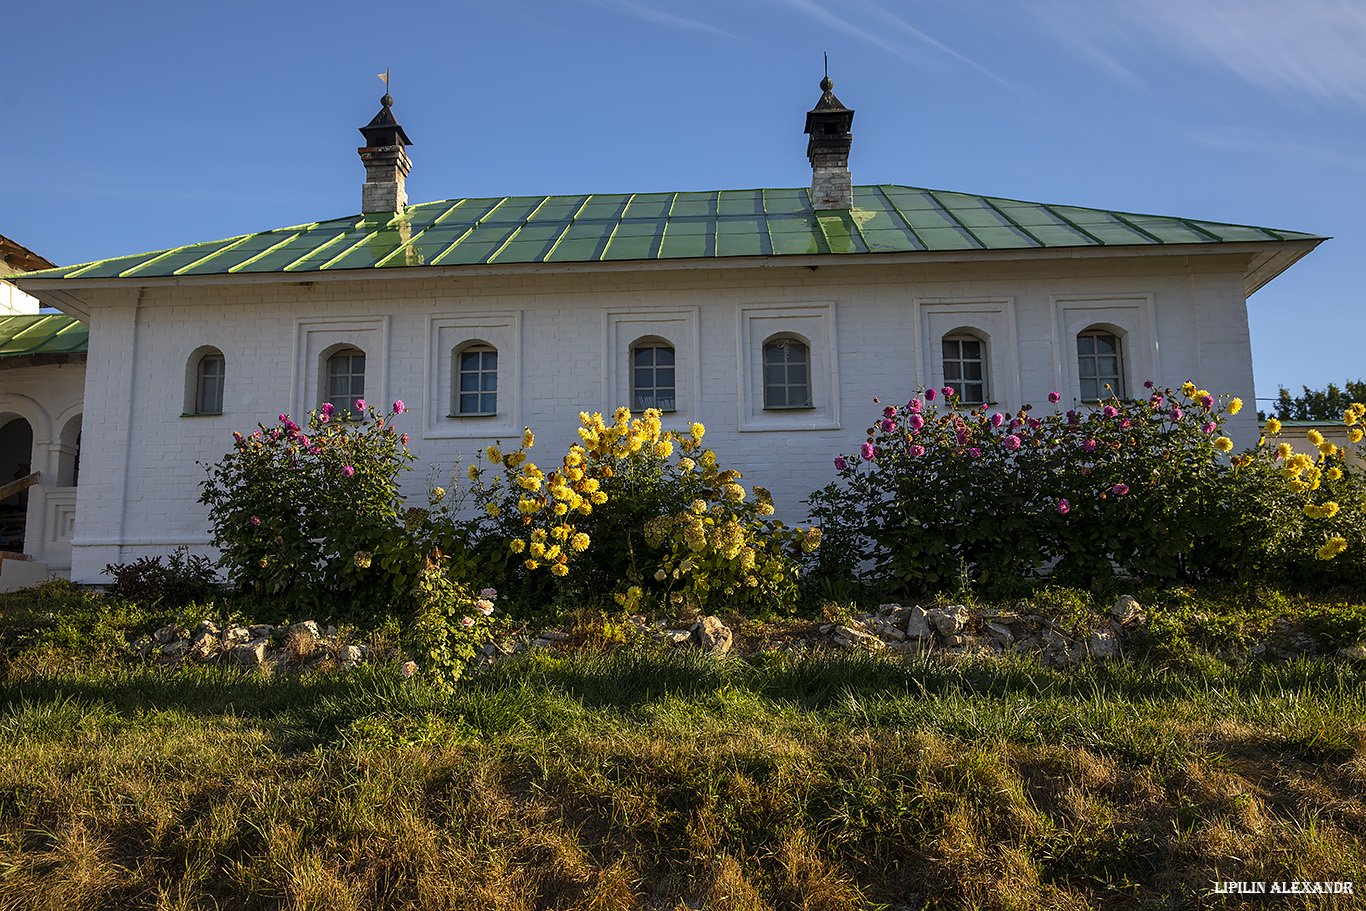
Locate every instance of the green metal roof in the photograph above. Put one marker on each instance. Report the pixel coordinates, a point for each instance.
(663, 226)
(28, 335)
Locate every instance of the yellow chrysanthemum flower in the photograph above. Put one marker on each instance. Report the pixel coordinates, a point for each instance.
(1273, 426)
(560, 509)
(1188, 388)
(1284, 450)
(560, 532)
(1223, 444)
(493, 454)
(528, 438)
(1355, 435)
(531, 564)
(538, 534)
(1235, 405)
(473, 471)
(537, 549)
(697, 431)
(527, 507)
(1202, 393)
(560, 569)
(552, 552)
(493, 509)
(733, 491)
(622, 415)
(580, 543)
(1315, 437)
(663, 449)
(1299, 486)
(1333, 474)
(1332, 548)
(517, 545)
(686, 464)
(513, 459)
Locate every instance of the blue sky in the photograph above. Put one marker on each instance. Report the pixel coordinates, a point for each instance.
(139, 126)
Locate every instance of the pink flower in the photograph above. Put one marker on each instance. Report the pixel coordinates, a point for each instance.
(1110, 411)
(485, 606)
(889, 411)
(1206, 402)
(929, 395)
(1064, 507)
(327, 408)
(1012, 442)
(399, 407)
(409, 668)
(1177, 414)
(914, 405)
(916, 451)
(867, 452)
(467, 622)
(284, 419)
(360, 404)
(997, 419)
(489, 594)
(840, 464)
(1124, 424)
(255, 521)
(961, 436)
(915, 422)
(323, 419)
(348, 471)
(888, 425)
(1089, 445)
(974, 453)
(1054, 397)
(1147, 384)
(403, 439)
(1209, 427)
(948, 391)
(1121, 489)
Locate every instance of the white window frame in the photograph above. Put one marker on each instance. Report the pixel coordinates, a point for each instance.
(317, 339)
(625, 329)
(1129, 317)
(961, 383)
(812, 323)
(1104, 390)
(451, 333)
(656, 344)
(991, 320)
(194, 365)
(329, 363)
(458, 354)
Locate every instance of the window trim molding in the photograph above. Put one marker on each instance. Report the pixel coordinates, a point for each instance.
(649, 343)
(449, 333)
(784, 336)
(624, 327)
(480, 346)
(314, 337)
(991, 319)
(190, 404)
(1128, 316)
(810, 321)
(325, 375)
(964, 334)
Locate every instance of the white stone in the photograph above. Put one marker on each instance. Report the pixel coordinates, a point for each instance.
(918, 624)
(949, 620)
(1103, 644)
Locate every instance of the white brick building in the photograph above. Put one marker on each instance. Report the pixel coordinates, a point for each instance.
(772, 322)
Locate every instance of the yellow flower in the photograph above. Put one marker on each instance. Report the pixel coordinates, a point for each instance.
(1235, 405)
(697, 431)
(1333, 474)
(560, 509)
(527, 507)
(1202, 393)
(579, 543)
(437, 495)
(1188, 388)
(686, 464)
(1315, 437)
(574, 456)
(560, 569)
(765, 509)
(1299, 486)
(531, 564)
(733, 491)
(538, 534)
(1332, 548)
(493, 454)
(664, 449)
(513, 459)
(517, 545)
(528, 439)
(598, 497)
(473, 471)
(1273, 426)
(537, 549)
(552, 552)
(1355, 435)
(493, 509)
(1284, 450)
(1223, 444)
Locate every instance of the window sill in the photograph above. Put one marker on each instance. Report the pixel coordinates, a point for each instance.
(202, 414)
(790, 408)
(489, 414)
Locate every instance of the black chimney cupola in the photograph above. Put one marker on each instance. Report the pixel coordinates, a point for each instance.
(828, 123)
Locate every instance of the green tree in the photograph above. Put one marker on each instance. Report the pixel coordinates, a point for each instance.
(1319, 404)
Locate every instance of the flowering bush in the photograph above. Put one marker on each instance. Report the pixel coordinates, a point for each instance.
(297, 512)
(1143, 486)
(449, 624)
(587, 523)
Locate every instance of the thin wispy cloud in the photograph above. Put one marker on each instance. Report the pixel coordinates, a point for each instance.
(651, 12)
(1306, 49)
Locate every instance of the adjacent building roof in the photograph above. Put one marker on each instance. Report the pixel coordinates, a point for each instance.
(41, 339)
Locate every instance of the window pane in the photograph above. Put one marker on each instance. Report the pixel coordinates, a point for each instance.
(488, 403)
(774, 374)
(1089, 390)
(951, 371)
(469, 360)
(1086, 344)
(973, 393)
(664, 377)
(775, 396)
(972, 370)
(1107, 366)
(490, 360)
(1105, 344)
(796, 374)
(644, 357)
(490, 383)
(950, 349)
(664, 357)
(972, 349)
(469, 382)
(469, 403)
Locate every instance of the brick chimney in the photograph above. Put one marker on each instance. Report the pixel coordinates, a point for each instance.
(386, 163)
(832, 186)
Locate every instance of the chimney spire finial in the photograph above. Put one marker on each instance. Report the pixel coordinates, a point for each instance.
(832, 186)
(386, 161)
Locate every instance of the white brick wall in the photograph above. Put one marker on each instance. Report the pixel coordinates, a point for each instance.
(140, 481)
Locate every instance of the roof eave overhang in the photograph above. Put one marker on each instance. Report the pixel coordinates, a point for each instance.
(1266, 260)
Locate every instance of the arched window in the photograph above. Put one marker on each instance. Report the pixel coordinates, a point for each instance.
(345, 379)
(653, 383)
(965, 367)
(208, 384)
(1100, 365)
(787, 374)
(475, 376)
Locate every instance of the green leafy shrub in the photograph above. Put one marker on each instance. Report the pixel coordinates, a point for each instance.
(183, 579)
(1143, 488)
(449, 624)
(296, 512)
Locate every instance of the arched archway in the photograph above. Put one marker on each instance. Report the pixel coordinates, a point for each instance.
(16, 462)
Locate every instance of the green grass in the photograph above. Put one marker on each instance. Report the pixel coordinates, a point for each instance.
(630, 777)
